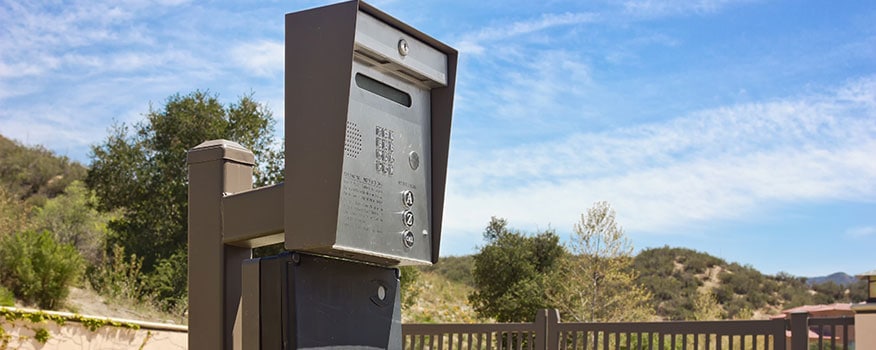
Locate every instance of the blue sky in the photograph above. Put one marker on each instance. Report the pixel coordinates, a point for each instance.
(745, 129)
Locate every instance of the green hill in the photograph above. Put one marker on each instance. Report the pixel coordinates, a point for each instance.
(34, 174)
(28, 177)
(674, 276)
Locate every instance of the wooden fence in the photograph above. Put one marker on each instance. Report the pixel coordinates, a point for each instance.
(548, 333)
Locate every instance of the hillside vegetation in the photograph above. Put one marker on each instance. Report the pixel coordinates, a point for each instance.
(674, 276)
(41, 231)
(34, 174)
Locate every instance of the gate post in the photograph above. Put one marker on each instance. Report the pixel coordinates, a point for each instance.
(541, 331)
(799, 330)
(545, 324)
(216, 168)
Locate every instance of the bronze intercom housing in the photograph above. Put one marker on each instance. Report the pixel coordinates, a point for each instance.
(368, 109)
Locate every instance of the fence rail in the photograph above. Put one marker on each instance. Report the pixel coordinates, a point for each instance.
(472, 336)
(763, 335)
(838, 331)
(548, 333)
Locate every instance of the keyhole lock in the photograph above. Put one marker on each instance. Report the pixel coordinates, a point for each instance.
(403, 48)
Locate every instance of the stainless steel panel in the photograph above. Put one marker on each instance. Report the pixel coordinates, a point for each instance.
(374, 214)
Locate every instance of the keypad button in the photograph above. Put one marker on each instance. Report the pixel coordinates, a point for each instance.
(408, 198)
(408, 238)
(408, 218)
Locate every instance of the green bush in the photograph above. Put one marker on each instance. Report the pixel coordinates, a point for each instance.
(6, 297)
(118, 275)
(37, 268)
(168, 284)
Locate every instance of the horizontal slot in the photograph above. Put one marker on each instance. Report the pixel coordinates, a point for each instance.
(379, 88)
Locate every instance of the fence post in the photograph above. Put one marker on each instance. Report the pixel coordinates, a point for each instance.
(799, 330)
(541, 333)
(215, 168)
(777, 329)
(545, 323)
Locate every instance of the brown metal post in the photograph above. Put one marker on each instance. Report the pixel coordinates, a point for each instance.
(216, 168)
(541, 333)
(247, 328)
(550, 318)
(799, 330)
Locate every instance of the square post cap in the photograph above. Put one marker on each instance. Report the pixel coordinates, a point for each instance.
(219, 150)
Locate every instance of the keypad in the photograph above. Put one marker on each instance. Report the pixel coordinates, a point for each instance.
(384, 151)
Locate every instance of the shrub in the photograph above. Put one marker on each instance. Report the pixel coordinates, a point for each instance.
(118, 275)
(6, 297)
(168, 284)
(37, 268)
(73, 220)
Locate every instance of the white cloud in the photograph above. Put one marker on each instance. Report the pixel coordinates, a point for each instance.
(41, 38)
(658, 8)
(263, 58)
(474, 43)
(547, 81)
(861, 231)
(718, 164)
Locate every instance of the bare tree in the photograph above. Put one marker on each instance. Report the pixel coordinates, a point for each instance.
(598, 281)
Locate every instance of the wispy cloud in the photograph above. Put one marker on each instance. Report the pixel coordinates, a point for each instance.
(861, 231)
(73, 69)
(553, 81)
(37, 35)
(263, 58)
(659, 8)
(476, 43)
(716, 164)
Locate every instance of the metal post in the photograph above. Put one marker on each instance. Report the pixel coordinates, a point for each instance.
(216, 168)
(799, 330)
(545, 323)
(248, 316)
(864, 326)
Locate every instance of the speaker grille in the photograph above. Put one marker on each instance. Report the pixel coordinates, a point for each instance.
(353, 143)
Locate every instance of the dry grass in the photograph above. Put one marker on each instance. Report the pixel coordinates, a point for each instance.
(440, 301)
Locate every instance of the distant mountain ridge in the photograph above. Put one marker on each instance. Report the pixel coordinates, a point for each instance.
(840, 278)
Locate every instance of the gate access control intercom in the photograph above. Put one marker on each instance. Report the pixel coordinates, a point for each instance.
(368, 108)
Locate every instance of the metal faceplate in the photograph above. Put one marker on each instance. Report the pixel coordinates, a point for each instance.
(384, 206)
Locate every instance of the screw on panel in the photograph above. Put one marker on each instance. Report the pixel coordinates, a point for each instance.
(296, 258)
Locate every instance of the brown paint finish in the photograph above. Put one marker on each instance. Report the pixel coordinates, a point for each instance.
(320, 47)
(215, 167)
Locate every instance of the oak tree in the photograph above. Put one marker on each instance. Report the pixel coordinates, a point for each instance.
(141, 171)
(512, 272)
